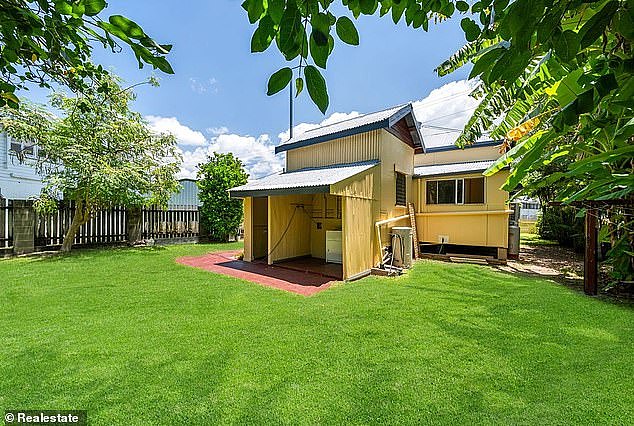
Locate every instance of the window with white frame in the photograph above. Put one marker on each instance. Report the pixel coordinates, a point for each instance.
(456, 191)
(26, 148)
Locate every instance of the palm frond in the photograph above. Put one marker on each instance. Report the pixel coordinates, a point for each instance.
(465, 54)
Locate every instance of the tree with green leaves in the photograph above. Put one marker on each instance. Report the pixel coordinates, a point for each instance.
(99, 154)
(44, 41)
(220, 215)
(556, 83)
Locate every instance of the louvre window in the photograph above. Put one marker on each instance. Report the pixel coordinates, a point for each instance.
(455, 191)
(401, 189)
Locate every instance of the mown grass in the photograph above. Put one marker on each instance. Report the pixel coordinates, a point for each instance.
(135, 338)
(536, 240)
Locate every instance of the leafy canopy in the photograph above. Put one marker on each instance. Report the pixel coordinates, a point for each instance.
(98, 154)
(51, 40)
(559, 74)
(220, 215)
(304, 31)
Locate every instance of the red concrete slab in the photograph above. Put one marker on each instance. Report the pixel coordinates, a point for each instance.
(316, 266)
(300, 282)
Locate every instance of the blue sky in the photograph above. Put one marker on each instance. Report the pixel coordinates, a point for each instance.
(217, 98)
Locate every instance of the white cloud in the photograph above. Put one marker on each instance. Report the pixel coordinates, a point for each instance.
(183, 134)
(448, 107)
(257, 153)
(215, 131)
(203, 86)
(304, 127)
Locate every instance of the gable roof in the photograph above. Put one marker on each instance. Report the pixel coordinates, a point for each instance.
(310, 180)
(452, 168)
(453, 147)
(391, 119)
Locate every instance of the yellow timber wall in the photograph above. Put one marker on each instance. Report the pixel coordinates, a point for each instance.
(358, 236)
(528, 226)
(373, 193)
(396, 156)
(466, 224)
(255, 227)
(360, 210)
(362, 147)
(296, 241)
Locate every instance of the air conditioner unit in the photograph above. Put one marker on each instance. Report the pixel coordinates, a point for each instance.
(402, 244)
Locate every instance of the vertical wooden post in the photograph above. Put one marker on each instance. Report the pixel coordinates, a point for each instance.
(590, 269)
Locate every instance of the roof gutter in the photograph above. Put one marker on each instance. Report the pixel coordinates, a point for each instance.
(461, 172)
(321, 189)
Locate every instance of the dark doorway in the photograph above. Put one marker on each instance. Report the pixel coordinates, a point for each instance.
(260, 215)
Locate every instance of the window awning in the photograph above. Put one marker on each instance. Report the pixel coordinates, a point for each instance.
(304, 181)
(452, 169)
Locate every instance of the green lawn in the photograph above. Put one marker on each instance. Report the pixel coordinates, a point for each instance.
(536, 240)
(135, 338)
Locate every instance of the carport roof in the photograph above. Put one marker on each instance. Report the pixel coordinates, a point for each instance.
(304, 181)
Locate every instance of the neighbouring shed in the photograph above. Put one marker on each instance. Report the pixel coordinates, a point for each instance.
(187, 197)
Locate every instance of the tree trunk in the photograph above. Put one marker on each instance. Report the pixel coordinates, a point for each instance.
(78, 221)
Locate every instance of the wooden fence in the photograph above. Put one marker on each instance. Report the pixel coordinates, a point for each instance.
(105, 227)
(168, 224)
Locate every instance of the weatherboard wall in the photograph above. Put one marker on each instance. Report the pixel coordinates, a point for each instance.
(358, 236)
(350, 149)
(288, 241)
(396, 156)
(360, 211)
(18, 180)
(483, 224)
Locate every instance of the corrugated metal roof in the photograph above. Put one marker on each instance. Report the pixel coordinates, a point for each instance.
(186, 196)
(304, 181)
(356, 125)
(438, 139)
(453, 147)
(452, 168)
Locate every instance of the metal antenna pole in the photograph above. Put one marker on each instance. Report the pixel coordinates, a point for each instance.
(290, 107)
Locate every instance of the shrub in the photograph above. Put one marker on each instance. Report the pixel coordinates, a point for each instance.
(561, 224)
(220, 215)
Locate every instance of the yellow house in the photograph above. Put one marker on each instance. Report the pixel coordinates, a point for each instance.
(346, 184)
